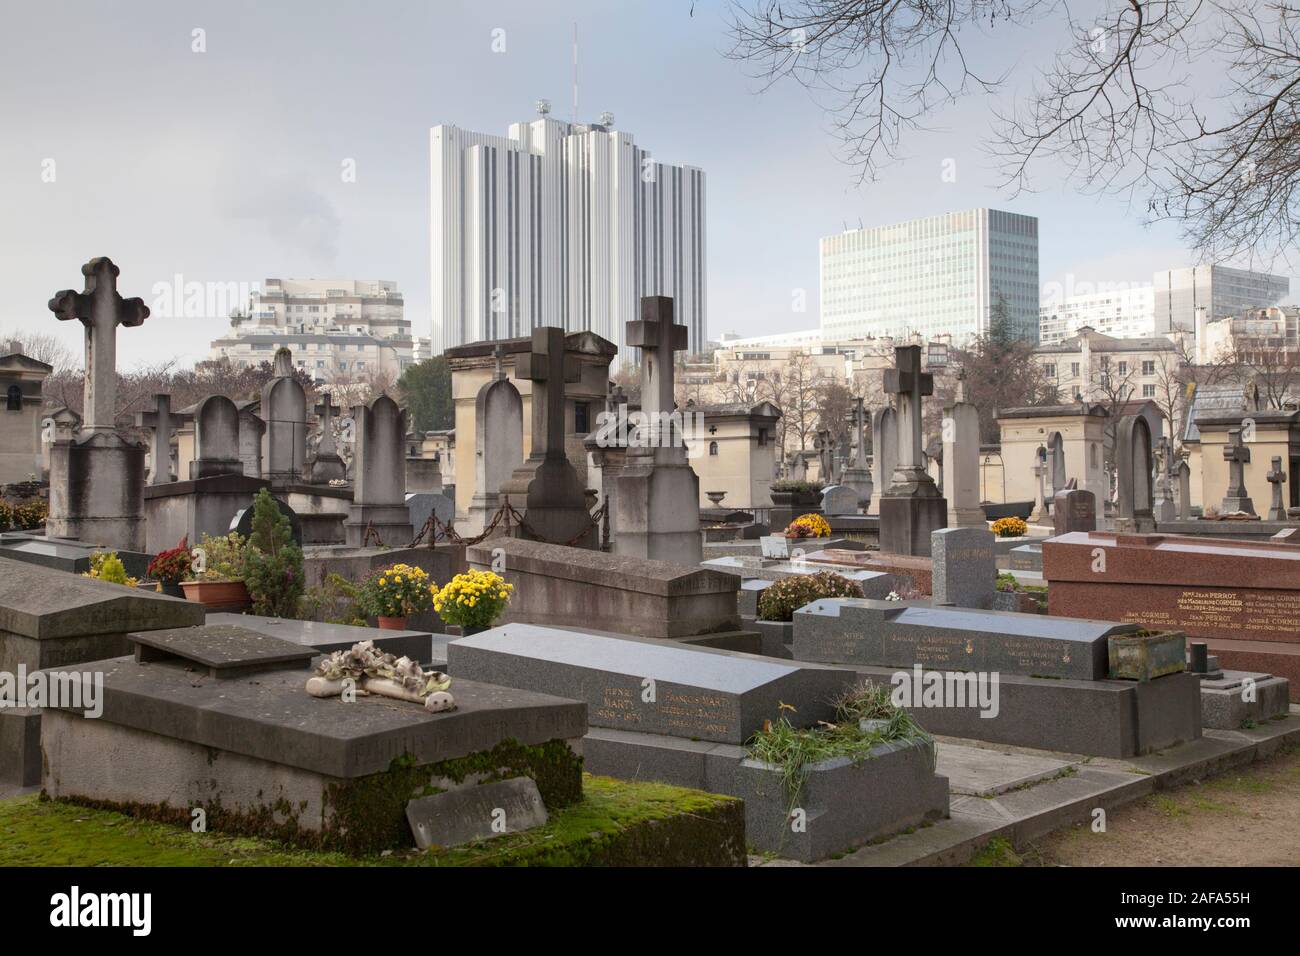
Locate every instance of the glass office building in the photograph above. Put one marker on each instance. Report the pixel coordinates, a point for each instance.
(1222, 291)
(933, 276)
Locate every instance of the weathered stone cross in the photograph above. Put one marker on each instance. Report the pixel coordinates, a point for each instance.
(656, 335)
(1276, 478)
(101, 310)
(498, 361)
(1238, 456)
(162, 420)
(325, 409)
(548, 367)
(860, 427)
(908, 384)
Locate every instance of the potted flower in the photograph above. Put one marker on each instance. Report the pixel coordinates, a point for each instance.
(395, 593)
(777, 603)
(107, 566)
(871, 705)
(808, 526)
(216, 578)
(1010, 527)
(473, 600)
(170, 567)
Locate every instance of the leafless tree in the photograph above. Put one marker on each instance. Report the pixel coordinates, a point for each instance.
(1116, 107)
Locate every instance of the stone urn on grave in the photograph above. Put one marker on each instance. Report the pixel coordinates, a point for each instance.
(715, 497)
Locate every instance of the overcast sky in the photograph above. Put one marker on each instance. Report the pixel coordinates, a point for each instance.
(225, 166)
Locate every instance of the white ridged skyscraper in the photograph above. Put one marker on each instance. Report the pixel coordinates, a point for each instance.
(559, 224)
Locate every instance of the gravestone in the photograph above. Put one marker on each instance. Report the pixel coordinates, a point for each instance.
(858, 474)
(1241, 596)
(1164, 508)
(498, 442)
(656, 491)
(697, 693)
(327, 465)
(163, 421)
(1039, 514)
(891, 634)
(554, 503)
(1277, 479)
(1237, 455)
(251, 430)
(1184, 472)
(284, 409)
(580, 587)
(965, 569)
(476, 813)
(911, 508)
(379, 495)
(840, 500)
(216, 438)
(1133, 503)
(1074, 509)
(961, 460)
(421, 504)
(884, 450)
(97, 479)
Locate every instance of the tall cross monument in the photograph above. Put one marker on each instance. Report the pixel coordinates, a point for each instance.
(911, 507)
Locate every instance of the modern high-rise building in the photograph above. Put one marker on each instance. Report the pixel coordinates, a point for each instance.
(338, 329)
(941, 275)
(1223, 292)
(1127, 313)
(559, 224)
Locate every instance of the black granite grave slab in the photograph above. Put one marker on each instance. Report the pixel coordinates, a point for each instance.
(883, 633)
(650, 686)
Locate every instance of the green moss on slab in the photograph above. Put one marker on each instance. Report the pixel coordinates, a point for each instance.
(614, 823)
(997, 852)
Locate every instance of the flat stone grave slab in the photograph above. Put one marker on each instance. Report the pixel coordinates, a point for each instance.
(327, 638)
(1237, 698)
(223, 650)
(980, 772)
(64, 554)
(649, 686)
(476, 813)
(881, 633)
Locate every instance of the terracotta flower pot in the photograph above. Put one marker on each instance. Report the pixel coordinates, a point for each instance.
(218, 595)
(392, 623)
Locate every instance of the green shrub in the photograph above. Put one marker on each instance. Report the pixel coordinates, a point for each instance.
(790, 484)
(784, 597)
(273, 563)
(224, 558)
(333, 601)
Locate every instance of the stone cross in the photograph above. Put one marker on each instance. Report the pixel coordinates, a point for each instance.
(824, 455)
(658, 337)
(325, 409)
(162, 420)
(960, 394)
(498, 361)
(908, 384)
(548, 367)
(1238, 456)
(1276, 478)
(101, 310)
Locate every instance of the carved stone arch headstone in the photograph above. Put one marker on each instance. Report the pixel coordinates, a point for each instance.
(498, 444)
(1133, 464)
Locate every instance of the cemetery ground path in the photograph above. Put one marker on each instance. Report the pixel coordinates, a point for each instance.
(1247, 816)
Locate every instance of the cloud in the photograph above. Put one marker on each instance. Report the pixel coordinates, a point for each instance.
(292, 212)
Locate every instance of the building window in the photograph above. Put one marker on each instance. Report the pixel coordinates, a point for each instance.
(581, 413)
(762, 437)
(14, 398)
(1074, 369)
(1123, 368)
(713, 448)
(1148, 391)
(1049, 370)
(1149, 368)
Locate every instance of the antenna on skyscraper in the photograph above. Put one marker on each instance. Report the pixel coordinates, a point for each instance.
(575, 71)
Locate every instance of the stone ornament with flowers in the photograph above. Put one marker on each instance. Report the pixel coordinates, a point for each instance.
(473, 600)
(395, 593)
(364, 669)
(808, 526)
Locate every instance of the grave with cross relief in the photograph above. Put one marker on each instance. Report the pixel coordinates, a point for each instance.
(658, 493)
(911, 507)
(97, 479)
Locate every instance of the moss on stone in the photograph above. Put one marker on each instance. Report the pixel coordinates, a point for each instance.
(614, 823)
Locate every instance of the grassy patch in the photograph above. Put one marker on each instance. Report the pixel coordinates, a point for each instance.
(615, 823)
(997, 852)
